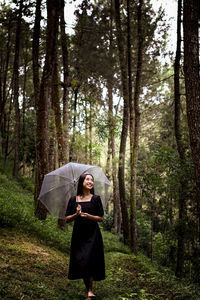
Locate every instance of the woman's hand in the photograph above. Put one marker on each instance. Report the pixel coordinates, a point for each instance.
(71, 218)
(84, 215)
(78, 209)
(91, 217)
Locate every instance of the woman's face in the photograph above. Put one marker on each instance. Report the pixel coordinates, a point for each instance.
(88, 182)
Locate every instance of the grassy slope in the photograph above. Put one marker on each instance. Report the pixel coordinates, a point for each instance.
(34, 258)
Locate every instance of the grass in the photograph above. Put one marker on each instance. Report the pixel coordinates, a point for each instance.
(34, 259)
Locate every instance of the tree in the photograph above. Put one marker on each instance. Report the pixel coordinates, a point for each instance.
(57, 111)
(4, 71)
(192, 86)
(134, 121)
(181, 150)
(65, 57)
(111, 135)
(36, 77)
(122, 151)
(16, 90)
(35, 52)
(42, 108)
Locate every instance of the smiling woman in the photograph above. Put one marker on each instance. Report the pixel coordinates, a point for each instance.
(87, 254)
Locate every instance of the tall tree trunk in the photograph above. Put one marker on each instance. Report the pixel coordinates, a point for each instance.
(42, 111)
(16, 90)
(109, 153)
(8, 129)
(36, 78)
(62, 152)
(52, 141)
(135, 129)
(3, 102)
(122, 151)
(116, 196)
(133, 237)
(35, 52)
(108, 170)
(116, 199)
(111, 140)
(90, 133)
(1, 127)
(57, 112)
(64, 42)
(23, 116)
(180, 148)
(152, 229)
(192, 85)
(72, 150)
(86, 131)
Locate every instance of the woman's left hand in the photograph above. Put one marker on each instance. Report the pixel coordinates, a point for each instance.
(84, 215)
(91, 217)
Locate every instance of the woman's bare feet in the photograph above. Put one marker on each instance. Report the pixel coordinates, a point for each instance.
(91, 294)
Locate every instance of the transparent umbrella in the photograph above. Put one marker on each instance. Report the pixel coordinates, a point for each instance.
(59, 185)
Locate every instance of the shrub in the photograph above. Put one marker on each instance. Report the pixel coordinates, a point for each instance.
(108, 221)
(144, 232)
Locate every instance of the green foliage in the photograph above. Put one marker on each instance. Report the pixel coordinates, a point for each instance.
(164, 246)
(108, 221)
(16, 210)
(35, 259)
(28, 141)
(113, 244)
(103, 126)
(6, 167)
(26, 183)
(144, 232)
(160, 183)
(164, 250)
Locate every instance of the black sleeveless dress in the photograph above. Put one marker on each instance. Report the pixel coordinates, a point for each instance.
(87, 254)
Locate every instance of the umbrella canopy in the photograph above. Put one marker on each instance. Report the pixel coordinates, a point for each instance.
(59, 185)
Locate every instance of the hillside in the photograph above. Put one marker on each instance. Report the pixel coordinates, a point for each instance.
(34, 259)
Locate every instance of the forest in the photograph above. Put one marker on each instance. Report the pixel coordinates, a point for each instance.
(111, 94)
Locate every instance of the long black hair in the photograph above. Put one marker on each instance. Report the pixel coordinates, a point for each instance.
(80, 184)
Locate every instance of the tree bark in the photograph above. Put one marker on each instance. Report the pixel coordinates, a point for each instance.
(135, 129)
(57, 112)
(111, 139)
(42, 112)
(35, 52)
(72, 150)
(122, 151)
(1, 127)
(36, 79)
(58, 122)
(8, 130)
(116, 199)
(64, 42)
(192, 86)
(52, 141)
(133, 232)
(90, 133)
(3, 102)
(16, 90)
(86, 131)
(109, 154)
(23, 116)
(181, 151)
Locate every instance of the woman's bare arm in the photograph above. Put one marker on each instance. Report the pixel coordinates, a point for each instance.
(71, 218)
(91, 217)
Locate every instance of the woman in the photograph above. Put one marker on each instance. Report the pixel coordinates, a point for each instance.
(87, 255)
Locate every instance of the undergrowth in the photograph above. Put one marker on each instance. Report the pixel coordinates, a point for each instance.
(34, 258)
